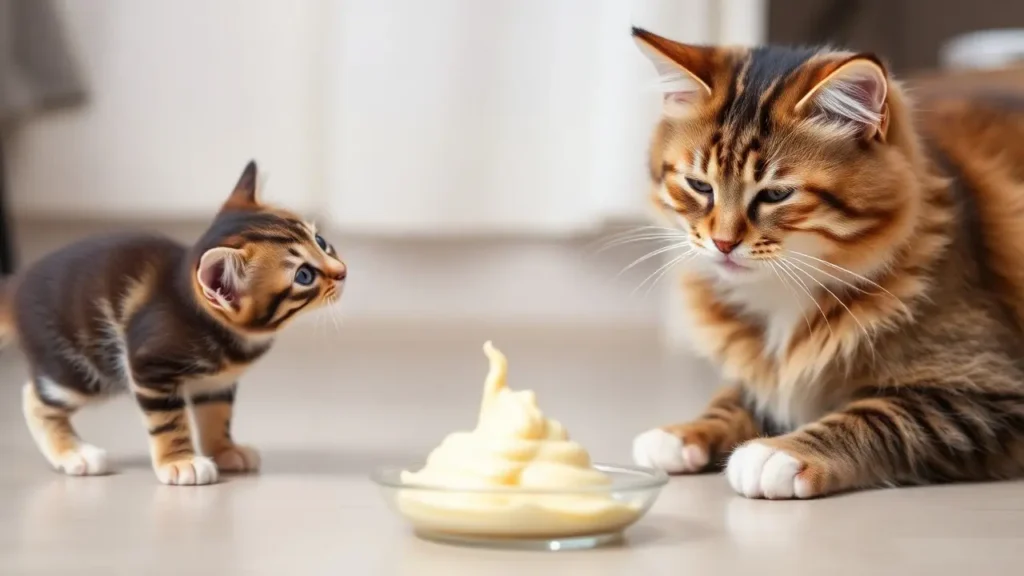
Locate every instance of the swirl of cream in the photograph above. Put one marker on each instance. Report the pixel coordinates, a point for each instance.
(513, 444)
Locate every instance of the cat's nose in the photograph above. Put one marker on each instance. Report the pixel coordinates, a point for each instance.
(340, 274)
(725, 246)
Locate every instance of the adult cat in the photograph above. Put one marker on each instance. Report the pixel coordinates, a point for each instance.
(857, 271)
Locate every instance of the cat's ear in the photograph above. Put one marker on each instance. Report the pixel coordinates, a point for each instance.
(684, 71)
(244, 194)
(222, 277)
(850, 93)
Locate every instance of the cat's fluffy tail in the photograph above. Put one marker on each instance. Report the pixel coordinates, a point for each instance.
(984, 140)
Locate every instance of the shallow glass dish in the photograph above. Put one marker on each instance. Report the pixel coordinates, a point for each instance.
(513, 517)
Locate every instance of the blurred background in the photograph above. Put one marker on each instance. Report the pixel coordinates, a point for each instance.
(468, 158)
(465, 155)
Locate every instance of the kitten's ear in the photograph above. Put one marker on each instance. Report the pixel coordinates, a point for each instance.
(852, 93)
(244, 194)
(222, 277)
(684, 70)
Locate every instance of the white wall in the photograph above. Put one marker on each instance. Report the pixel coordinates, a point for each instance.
(183, 93)
(383, 117)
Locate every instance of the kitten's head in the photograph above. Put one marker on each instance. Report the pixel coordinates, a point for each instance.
(772, 153)
(257, 266)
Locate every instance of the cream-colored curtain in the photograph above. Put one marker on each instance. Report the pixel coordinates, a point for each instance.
(497, 117)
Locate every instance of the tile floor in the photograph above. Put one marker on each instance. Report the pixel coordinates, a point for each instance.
(327, 408)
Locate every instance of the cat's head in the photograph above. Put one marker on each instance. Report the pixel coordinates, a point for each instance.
(773, 159)
(258, 266)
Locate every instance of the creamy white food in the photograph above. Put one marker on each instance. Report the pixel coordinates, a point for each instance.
(516, 448)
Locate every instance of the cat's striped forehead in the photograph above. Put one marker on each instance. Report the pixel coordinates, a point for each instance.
(239, 228)
(755, 80)
(753, 93)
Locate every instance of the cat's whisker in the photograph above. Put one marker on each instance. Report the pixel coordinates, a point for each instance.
(633, 240)
(652, 254)
(642, 230)
(785, 267)
(792, 294)
(649, 237)
(851, 273)
(662, 270)
(687, 258)
(797, 268)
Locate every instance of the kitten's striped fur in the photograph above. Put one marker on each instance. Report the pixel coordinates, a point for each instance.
(857, 275)
(174, 326)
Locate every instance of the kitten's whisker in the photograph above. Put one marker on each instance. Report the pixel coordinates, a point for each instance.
(851, 273)
(786, 268)
(333, 312)
(652, 254)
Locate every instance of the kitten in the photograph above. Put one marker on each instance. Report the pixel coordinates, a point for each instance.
(856, 272)
(173, 326)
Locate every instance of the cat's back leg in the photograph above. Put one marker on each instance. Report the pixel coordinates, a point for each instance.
(48, 407)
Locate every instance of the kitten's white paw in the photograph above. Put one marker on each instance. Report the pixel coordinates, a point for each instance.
(665, 451)
(757, 470)
(85, 460)
(238, 458)
(194, 471)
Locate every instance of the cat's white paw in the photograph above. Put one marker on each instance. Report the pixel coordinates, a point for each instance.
(238, 458)
(757, 470)
(665, 451)
(194, 471)
(84, 460)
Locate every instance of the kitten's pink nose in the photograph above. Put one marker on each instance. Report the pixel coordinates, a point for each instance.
(340, 274)
(726, 246)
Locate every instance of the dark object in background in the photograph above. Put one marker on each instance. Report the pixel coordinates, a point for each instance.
(907, 33)
(6, 250)
(37, 74)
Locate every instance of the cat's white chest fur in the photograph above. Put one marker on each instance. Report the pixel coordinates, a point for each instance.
(779, 307)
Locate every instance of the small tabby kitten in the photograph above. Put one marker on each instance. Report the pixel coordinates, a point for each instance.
(173, 326)
(856, 273)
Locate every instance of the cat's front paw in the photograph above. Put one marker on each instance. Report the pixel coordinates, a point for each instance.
(666, 451)
(759, 470)
(237, 458)
(83, 460)
(192, 471)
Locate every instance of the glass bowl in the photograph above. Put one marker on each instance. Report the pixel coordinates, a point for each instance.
(514, 517)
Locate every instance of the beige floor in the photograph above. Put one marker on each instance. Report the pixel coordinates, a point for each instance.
(326, 409)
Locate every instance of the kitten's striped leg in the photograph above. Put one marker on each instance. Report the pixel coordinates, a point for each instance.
(48, 415)
(212, 413)
(170, 438)
(701, 444)
(898, 435)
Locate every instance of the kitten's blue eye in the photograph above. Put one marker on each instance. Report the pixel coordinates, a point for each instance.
(774, 195)
(321, 242)
(304, 275)
(700, 186)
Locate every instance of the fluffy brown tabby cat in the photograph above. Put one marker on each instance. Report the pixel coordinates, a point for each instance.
(857, 272)
(171, 325)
